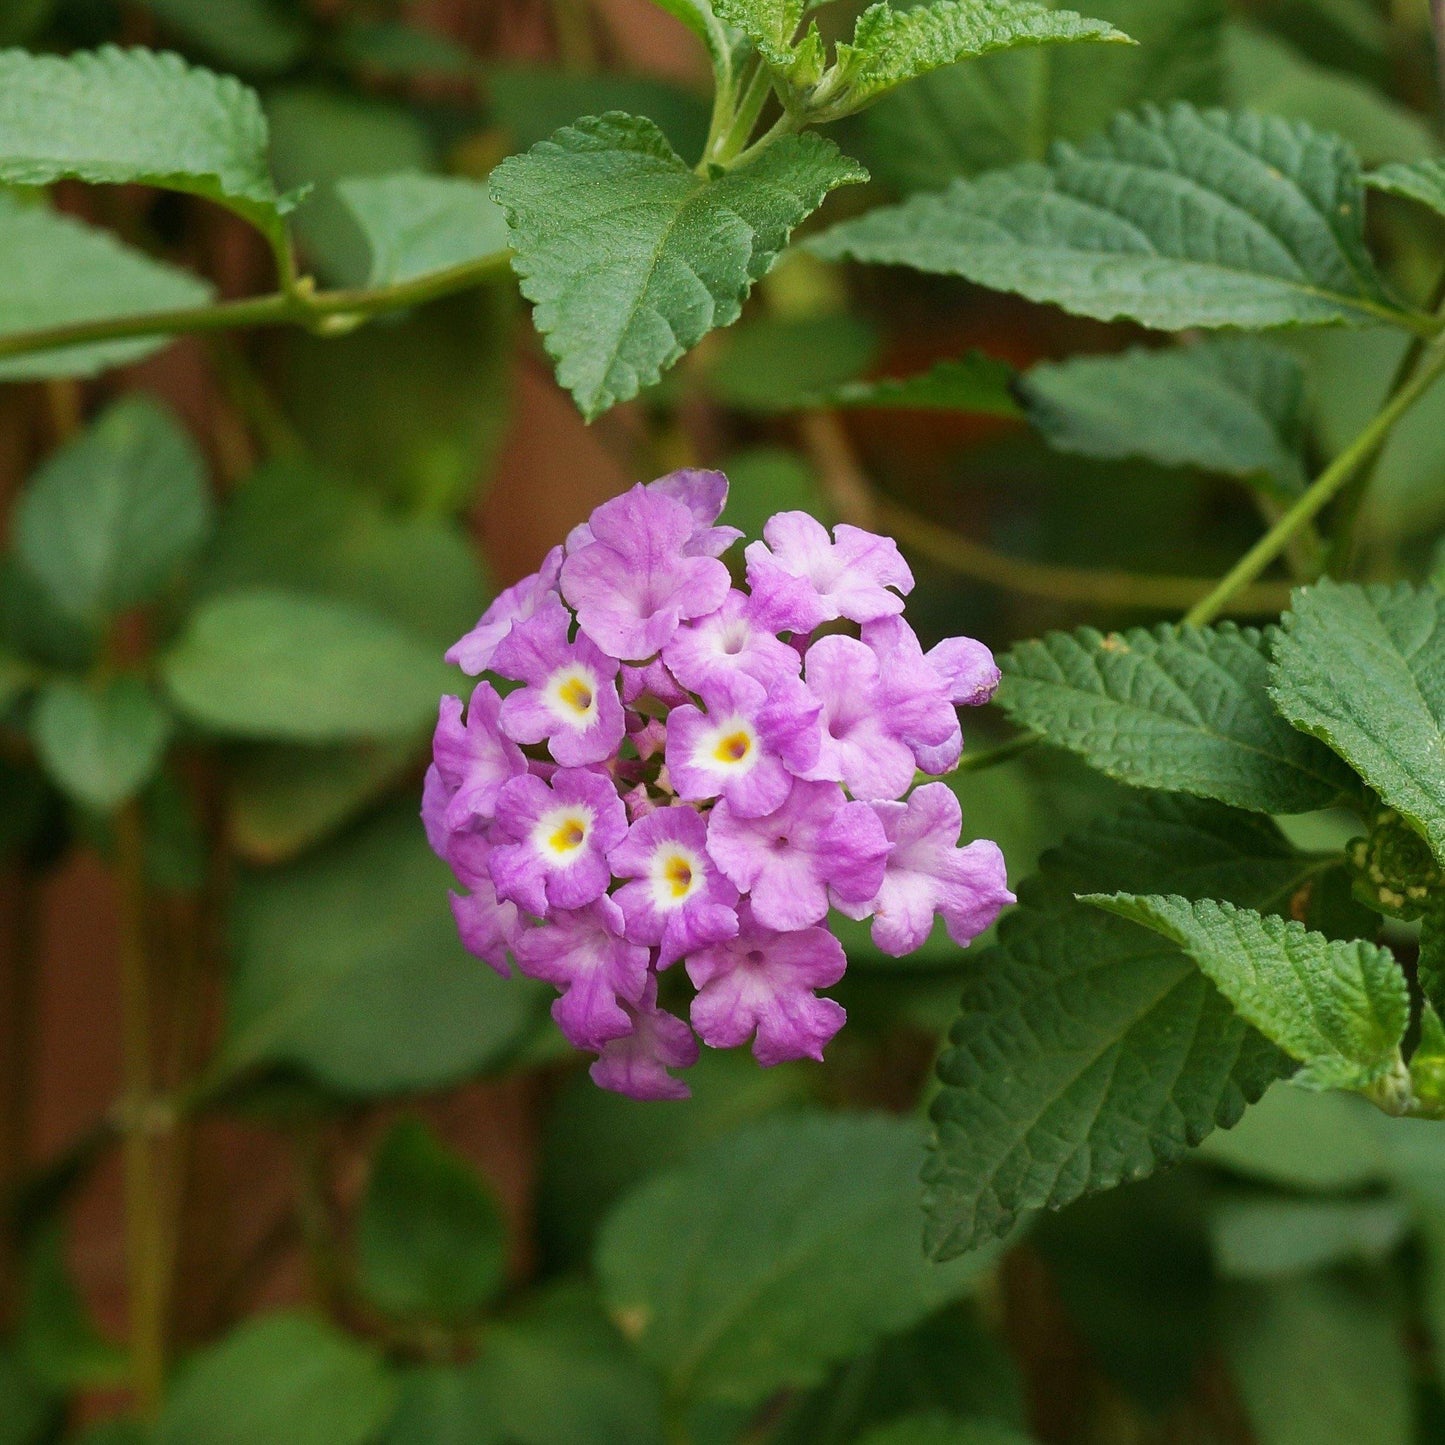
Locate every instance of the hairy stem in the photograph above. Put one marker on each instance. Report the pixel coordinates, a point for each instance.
(1326, 487)
(733, 141)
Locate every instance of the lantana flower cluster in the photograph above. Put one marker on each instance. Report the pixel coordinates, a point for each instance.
(679, 775)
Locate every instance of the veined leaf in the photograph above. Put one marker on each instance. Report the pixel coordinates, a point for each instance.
(100, 746)
(1089, 1051)
(1339, 1008)
(975, 383)
(419, 224)
(657, 256)
(1363, 668)
(1422, 181)
(1231, 405)
(111, 116)
(1181, 708)
(1173, 218)
(60, 271)
(773, 25)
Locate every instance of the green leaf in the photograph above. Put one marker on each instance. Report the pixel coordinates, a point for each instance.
(780, 363)
(283, 666)
(17, 678)
(1231, 405)
(283, 1377)
(417, 225)
(773, 25)
(940, 1429)
(1431, 968)
(115, 515)
(445, 1405)
(60, 1343)
(1422, 181)
(28, 1413)
(775, 1253)
(384, 999)
(100, 745)
(1173, 218)
(1363, 668)
(1263, 1237)
(1339, 1008)
(1319, 1362)
(430, 1241)
(113, 116)
(1088, 1051)
(767, 480)
(626, 285)
(1181, 708)
(392, 48)
(1012, 106)
(974, 383)
(891, 47)
(64, 272)
(258, 36)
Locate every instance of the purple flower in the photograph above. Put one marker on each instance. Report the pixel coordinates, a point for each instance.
(489, 927)
(473, 654)
(637, 1063)
(704, 494)
(570, 700)
(968, 670)
(583, 952)
(680, 901)
(800, 578)
(634, 582)
(729, 641)
(927, 873)
(553, 839)
(748, 745)
(473, 759)
(764, 982)
(790, 859)
(652, 680)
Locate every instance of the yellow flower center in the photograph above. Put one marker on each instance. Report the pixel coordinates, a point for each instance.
(733, 748)
(576, 694)
(569, 836)
(677, 874)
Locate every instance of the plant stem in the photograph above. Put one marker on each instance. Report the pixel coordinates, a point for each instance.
(1322, 491)
(143, 1203)
(328, 312)
(732, 142)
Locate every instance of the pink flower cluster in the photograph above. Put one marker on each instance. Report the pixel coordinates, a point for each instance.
(683, 772)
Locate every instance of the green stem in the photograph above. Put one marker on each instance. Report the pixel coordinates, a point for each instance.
(733, 141)
(1322, 491)
(328, 312)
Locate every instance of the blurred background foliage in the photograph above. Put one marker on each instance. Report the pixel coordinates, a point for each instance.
(395, 1213)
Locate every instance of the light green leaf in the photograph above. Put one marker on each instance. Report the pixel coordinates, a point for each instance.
(773, 25)
(385, 999)
(1231, 405)
(1363, 668)
(1265, 1236)
(1089, 1051)
(113, 116)
(292, 668)
(1181, 708)
(114, 516)
(62, 271)
(258, 36)
(1012, 106)
(973, 383)
(775, 1253)
(891, 47)
(282, 1377)
(937, 1428)
(1173, 218)
(1264, 73)
(416, 225)
(1319, 1362)
(1422, 181)
(100, 745)
(1339, 1008)
(627, 284)
(430, 1241)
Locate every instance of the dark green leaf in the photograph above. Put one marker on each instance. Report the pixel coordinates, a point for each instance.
(774, 1254)
(258, 36)
(430, 1241)
(626, 287)
(445, 1405)
(27, 1411)
(768, 480)
(394, 48)
(975, 383)
(941, 1429)
(1174, 219)
(1262, 1237)
(113, 517)
(1424, 181)
(100, 745)
(1181, 708)
(780, 363)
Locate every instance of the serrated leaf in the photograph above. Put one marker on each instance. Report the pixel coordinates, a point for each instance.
(291, 668)
(776, 1252)
(1089, 1052)
(1232, 405)
(115, 515)
(1012, 106)
(1363, 668)
(113, 116)
(773, 25)
(100, 745)
(416, 225)
(658, 256)
(1174, 219)
(1422, 181)
(891, 47)
(61, 272)
(1340, 1009)
(972, 383)
(1181, 708)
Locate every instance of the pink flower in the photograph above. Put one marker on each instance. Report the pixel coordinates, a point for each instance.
(637, 1063)
(704, 494)
(728, 641)
(489, 928)
(474, 653)
(473, 759)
